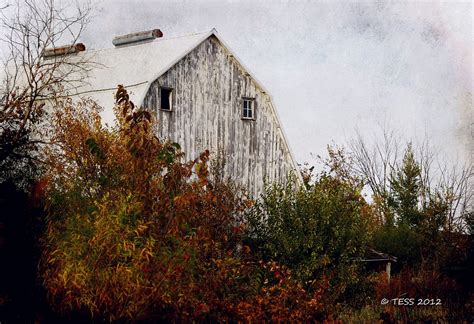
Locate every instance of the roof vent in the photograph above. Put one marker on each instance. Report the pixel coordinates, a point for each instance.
(64, 50)
(137, 37)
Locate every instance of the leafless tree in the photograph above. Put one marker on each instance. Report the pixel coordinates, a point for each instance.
(375, 164)
(32, 28)
(451, 183)
(455, 185)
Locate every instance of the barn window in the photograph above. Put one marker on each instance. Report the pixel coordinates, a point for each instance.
(248, 111)
(166, 98)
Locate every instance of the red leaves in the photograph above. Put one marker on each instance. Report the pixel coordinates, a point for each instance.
(277, 275)
(39, 189)
(140, 236)
(281, 299)
(186, 257)
(201, 309)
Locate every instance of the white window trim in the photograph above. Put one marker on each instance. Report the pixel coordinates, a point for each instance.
(252, 101)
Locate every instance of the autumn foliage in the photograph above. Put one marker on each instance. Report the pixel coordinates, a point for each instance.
(133, 232)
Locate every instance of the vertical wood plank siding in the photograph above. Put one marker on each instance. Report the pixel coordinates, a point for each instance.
(208, 86)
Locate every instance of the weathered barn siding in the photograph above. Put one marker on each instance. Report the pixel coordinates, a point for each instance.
(208, 86)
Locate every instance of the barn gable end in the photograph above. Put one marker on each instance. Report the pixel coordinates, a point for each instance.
(208, 88)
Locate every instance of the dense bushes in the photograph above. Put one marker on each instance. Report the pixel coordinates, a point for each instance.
(134, 233)
(325, 229)
(422, 221)
(318, 231)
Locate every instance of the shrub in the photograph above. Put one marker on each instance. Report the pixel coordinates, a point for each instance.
(316, 231)
(134, 233)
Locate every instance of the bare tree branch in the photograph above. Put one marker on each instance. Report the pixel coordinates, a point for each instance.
(32, 26)
(438, 180)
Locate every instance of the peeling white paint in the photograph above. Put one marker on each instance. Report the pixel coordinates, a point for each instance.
(208, 86)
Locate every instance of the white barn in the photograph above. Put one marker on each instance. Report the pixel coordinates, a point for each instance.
(203, 98)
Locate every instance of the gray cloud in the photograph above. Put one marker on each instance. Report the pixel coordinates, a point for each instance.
(333, 67)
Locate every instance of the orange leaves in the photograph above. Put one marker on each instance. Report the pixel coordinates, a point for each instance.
(181, 201)
(280, 299)
(201, 309)
(136, 234)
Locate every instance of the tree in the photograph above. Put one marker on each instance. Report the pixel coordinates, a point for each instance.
(425, 210)
(318, 231)
(30, 79)
(135, 233)
(405, 184)
(385, 171)
(423, 204)
(27, 81)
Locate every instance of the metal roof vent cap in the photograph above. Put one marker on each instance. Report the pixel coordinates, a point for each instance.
(63, 50)
(137, 37)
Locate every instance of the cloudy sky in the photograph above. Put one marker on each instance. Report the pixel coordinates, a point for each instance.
(334, 67)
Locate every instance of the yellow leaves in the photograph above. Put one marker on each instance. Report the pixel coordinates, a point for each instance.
(128, 248)
(54, 256)
(202, 171)
(198, 168)
(147, 253)
(78, 279)
(325, 260)
(137, 229)
(178, 200)
(63, 277)
(142, 228)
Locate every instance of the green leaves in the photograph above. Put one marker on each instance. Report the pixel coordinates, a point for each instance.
(94, 148)
(169, 153)
(310, 231)
(405, 184)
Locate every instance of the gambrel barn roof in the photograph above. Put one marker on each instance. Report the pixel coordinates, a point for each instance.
(137, 66)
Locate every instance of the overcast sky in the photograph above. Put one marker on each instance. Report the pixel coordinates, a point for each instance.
(334, 67)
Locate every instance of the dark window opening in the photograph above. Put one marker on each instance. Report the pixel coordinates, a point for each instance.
(166, 98)
(248, 108)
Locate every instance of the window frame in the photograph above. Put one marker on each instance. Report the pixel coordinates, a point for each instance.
(253, 105)
(171, 90)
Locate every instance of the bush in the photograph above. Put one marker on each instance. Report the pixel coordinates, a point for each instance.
(135, 234)
(315, 232)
